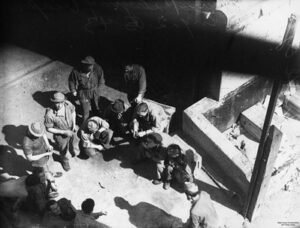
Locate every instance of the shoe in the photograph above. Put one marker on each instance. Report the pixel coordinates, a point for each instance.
(156, 182)
(66, 166)
(166, 185)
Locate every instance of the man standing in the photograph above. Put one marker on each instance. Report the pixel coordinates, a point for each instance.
(202, 213)
(148, 118)
(95, 135)
(86, 82)
(135, 82)
(86, 217)
(61, 121)
(37, 149)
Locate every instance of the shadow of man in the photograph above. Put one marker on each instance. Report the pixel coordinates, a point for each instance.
(146, 215)
(12, 163)
(14, 135)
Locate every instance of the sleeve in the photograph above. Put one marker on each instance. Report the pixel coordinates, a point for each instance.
(27, 147)
(101, 122)
(194, 221)
(48, 119)
(157, 121)
(73, 81)
(71, 106)
(100, 75)
(104, 124)
(142, 81)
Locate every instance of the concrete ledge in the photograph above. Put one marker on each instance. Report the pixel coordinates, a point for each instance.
(226, 112)
(17, 62)
(292, 105)
(215, 145)
(253, 120)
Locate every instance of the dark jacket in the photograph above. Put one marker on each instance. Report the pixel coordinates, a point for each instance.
(87, 87)
(135, 82)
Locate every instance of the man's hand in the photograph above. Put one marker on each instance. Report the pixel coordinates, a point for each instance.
(84, 136)
(141, 134)
(98, 214)
(49, 148)
(74, 94)
(69, 133)
(138, 99)
(134, 134)
(103, 212)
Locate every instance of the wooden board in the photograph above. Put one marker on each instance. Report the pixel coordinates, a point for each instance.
(252, 120)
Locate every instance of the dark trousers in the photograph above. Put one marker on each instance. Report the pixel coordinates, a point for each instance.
(65, 144)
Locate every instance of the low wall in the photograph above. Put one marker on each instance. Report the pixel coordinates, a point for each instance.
(226, 112)
(232, 166)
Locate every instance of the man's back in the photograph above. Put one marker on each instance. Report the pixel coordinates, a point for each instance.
(203, 210)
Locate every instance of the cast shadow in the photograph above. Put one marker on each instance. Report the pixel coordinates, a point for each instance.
(147, 215)
(12, 163)
(222, 196)
(14, 135)
(145, 168)
(43, 98)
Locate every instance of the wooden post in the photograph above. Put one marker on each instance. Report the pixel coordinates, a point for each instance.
(270, 152)
(260, 153)
(257, 178)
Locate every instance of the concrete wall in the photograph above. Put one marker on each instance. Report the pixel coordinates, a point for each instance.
(232, 166)
(227, 111)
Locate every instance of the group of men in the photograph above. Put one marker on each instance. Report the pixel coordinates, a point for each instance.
(142, 123)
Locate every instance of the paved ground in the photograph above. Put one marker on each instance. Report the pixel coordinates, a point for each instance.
(127, 193)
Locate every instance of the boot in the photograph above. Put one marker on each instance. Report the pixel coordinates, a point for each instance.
(166, 185)
(65, 164)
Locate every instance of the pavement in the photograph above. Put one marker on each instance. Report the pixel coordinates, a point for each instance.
(123, 190)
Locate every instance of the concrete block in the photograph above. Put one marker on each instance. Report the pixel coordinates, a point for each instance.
(292, 105)
(234, 165)
(226, 112)
(253, 119)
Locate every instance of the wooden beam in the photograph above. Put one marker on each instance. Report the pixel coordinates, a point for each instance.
(270, 152)
(277, 85)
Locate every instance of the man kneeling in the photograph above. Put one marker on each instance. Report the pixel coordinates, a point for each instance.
(95, 135)
(177, 167)
(151, 148)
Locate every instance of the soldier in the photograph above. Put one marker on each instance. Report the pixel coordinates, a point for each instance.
(202, 214)
(37, 149)
(152, 149)
(61, 121)
(86, 83)
(176, 166)
(116, 116)
(148, 118)
(135, 83)
(95, 135)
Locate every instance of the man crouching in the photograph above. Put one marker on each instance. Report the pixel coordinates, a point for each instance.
(95, 135)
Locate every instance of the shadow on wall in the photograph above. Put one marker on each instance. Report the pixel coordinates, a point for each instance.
(12, 163)
(14, 135)
(144, 215)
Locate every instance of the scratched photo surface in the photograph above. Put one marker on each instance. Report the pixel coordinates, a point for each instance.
(225, 52)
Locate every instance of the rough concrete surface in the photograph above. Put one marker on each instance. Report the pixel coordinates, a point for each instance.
(127, 193)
